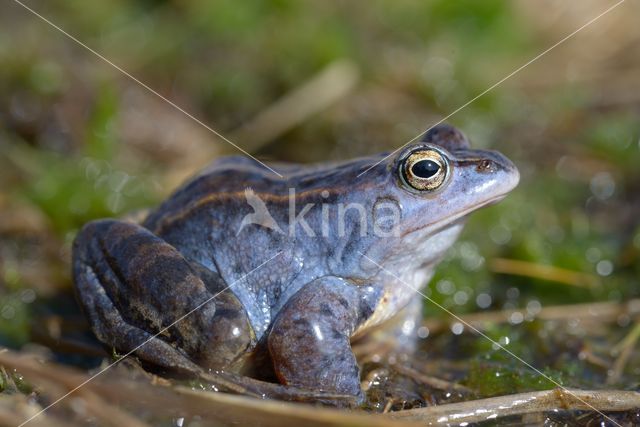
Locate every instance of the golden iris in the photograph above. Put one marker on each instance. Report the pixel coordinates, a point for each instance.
(425, 170)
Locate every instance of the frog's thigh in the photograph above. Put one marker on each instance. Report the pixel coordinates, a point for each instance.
(111, 328)
(310, 338)
(128, 279)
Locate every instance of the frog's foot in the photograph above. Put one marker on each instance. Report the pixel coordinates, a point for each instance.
(310, 339)
(143, 297)
(263, 390)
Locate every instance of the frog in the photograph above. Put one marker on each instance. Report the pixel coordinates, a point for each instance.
(241, 267)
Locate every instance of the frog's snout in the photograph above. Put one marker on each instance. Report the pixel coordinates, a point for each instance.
(507, 174)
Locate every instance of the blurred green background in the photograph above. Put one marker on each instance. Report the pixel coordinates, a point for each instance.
(79, 140)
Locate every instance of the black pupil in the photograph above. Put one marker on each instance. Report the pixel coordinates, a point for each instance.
(425, 168)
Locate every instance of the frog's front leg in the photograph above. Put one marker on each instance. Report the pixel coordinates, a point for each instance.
(142, 296)
(310, 339)
(395, 339)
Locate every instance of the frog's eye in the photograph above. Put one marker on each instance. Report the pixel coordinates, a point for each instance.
(424, 170)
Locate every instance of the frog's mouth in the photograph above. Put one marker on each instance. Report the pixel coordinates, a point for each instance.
(493, 201)
(489, 202)
(454, 220)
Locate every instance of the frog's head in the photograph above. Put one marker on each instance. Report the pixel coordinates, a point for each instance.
(441, 179)
(436, 182)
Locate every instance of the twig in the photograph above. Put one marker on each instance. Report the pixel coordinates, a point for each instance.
(16, 408)
(212, 407)
(388, 406)
(318, 93)
(624, 349)
(597, 311)
(544, 272)
(110, 414)
(520, 404)
(429, 380)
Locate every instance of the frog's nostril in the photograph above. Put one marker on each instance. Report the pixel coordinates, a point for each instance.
(485, 165)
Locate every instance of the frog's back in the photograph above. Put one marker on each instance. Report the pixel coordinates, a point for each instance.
(227, 178)
(223, 181)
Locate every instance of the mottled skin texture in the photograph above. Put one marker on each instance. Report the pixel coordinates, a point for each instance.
(301, 309)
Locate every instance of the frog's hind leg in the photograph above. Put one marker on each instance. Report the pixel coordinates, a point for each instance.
(105, 319)
(142, 296)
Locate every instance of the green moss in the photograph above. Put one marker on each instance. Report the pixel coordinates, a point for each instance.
(500, 379)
